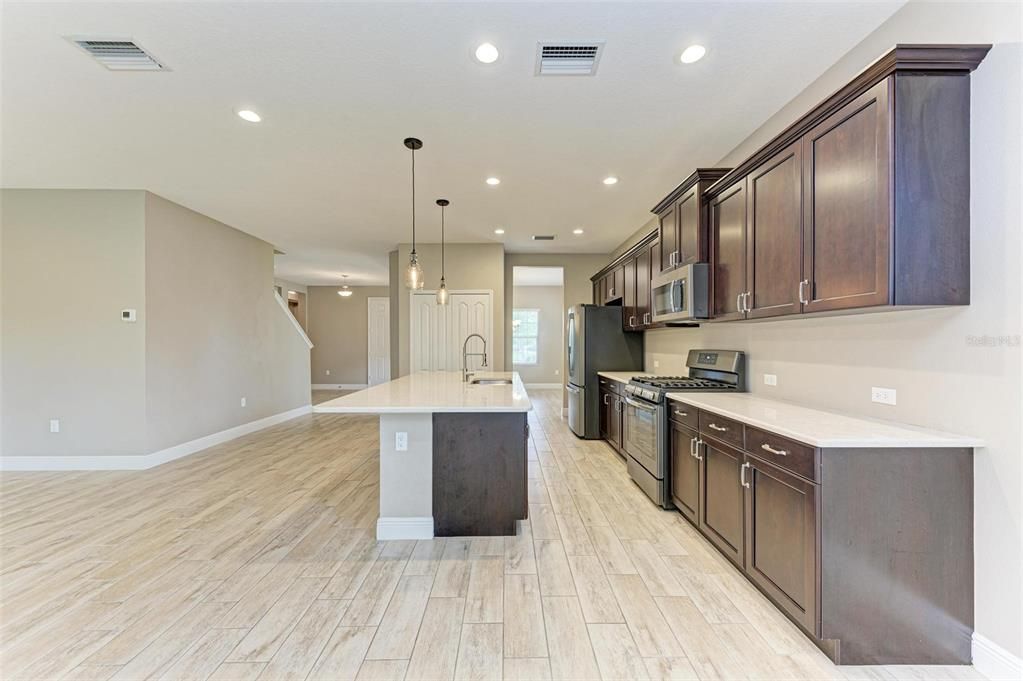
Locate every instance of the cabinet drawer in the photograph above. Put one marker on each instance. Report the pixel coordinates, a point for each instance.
(721, 428)
(782, 452)
(683, 413)
(610, 385)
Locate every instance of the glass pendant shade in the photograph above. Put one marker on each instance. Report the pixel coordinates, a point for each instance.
(442, 293)
(344, 291)
(413, 273)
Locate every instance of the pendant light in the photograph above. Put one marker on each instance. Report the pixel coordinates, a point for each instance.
(413, 272)
(345, 292)
(442, 292)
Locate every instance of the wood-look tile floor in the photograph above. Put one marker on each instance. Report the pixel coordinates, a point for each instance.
(257, 560)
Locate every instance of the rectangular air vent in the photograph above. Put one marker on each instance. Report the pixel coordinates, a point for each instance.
(119, 55)
(568, 59)
(543, 237)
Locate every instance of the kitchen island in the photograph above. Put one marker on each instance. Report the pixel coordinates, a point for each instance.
(452, 452)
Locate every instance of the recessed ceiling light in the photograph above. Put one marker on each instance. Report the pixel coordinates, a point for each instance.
(498, 231)
(692, 53)
(249, 115)
(610, 180)
(493, 181)
(577, 231)
(487, 53)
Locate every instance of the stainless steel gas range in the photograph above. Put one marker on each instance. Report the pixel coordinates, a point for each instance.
(646, 433)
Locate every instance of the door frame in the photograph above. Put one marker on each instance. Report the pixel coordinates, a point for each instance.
(475, 292)
(369, 336)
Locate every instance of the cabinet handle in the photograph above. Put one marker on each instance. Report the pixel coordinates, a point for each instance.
(646, 317)
(698, 443)
(769, 448)
(605, 398)
(802, 296)
(738, 302)
(632, 320)
(745, 301)
(742, 475)
(681, 413)
(716, 427)
(692, 447)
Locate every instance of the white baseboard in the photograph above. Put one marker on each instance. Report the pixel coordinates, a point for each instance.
(543, 386)
(993, 661)
(137, 462)
(340, 386)
(405, 528)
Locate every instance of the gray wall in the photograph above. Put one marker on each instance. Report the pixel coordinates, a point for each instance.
(338, 328)
(215, 332)
(209, 329)
(71, 261)
(550, 301)
(943, 378)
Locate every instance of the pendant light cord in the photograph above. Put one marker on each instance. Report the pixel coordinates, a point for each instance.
(442, 243)
(413, 200)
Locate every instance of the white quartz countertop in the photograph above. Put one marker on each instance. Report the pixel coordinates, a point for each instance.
(623, 376)
(433, 391)
(818, 427)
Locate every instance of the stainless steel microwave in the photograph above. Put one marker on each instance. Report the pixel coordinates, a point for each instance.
(682, 294)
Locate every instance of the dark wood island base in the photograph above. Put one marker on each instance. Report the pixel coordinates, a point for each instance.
(479, 473)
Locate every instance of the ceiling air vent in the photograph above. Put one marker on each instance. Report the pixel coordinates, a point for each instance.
(119, 55)
(543, 237)
(568, 59)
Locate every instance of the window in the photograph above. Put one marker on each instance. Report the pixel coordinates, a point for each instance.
(525, 336)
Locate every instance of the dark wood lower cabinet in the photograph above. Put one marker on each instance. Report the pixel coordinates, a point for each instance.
(611, 416)
(781, 539)
(721, 507)
(685, 472)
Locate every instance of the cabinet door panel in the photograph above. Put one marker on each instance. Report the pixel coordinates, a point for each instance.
(630, 317)
(781, 539)
(605, 414)
(692, 245)
(728, 250)
(721, 509)
(643, 287)
(774, 235)
(847, 208)
(685, 473)
(668, 237)
(618, 282)
(614, 422)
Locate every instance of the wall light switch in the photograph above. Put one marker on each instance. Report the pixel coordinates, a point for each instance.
(54, 425)
(128, 315)
(657, 365)
(328, 372)
(243, 401)
(557, 372)
(882, 395)
(401, 442)
(770, 379)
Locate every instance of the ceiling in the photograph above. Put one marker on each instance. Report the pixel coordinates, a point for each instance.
(537, 276)
(325, 176)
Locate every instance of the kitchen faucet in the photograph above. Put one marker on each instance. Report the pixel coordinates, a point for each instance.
(465, 355)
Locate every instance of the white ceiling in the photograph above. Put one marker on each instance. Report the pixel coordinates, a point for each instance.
(325, 177)
(537, 276)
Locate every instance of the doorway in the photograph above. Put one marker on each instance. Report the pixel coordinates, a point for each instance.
(538, 326)
(378, 362)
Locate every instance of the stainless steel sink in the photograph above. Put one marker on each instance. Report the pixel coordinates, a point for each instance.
(490, 381)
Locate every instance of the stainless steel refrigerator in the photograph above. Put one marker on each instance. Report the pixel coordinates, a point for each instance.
(596, 342)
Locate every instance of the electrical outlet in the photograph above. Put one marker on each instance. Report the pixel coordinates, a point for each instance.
(882, 395)
(770, 379)
(243, 401)
(557, 372)
(54, 425)
(401, 442)
(328, 372)
(657, 365)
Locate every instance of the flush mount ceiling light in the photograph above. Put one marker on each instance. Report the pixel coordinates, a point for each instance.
(442, 292)
(498, 231)
(413, 272)
(493, 181)
(692, 53)
(487, 53)
(610, 180)
(249, 115)
(345, 292)
(577, 231)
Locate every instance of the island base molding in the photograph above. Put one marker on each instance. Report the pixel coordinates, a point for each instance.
(404, 528)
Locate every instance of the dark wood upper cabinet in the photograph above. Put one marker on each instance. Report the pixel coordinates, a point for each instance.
(626, 282)
(774, 234)
(781, 539)
(683, 220)
(846, 241)
(630, 313)
(642, 261)
(728, 252)
(722, 505)
(685, 471)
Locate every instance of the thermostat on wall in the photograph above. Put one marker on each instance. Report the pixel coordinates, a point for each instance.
(127, 315)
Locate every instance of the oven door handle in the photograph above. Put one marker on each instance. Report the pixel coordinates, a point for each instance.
(639, 405)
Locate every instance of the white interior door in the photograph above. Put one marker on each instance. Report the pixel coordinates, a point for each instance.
(379, 360)
(437, 332)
